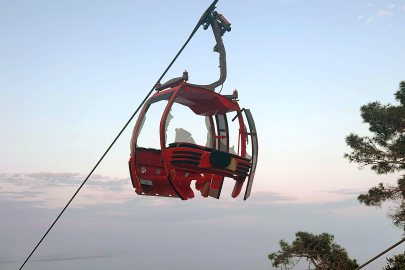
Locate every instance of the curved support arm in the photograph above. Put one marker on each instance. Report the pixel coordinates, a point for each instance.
(222, 58)
(219, 26)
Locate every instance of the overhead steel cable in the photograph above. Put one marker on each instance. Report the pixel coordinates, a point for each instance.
(382, 253)
(202, 19)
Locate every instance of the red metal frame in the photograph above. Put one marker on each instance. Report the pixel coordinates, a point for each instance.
(169, 171)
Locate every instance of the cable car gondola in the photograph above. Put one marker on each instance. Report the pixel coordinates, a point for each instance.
(169, 170)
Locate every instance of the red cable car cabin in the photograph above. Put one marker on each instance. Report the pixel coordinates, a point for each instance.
(168, 171)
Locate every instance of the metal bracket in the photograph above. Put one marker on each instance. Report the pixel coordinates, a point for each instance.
(219, 26)
(173, 82)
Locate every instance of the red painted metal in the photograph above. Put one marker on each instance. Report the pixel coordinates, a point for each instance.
(170, 170)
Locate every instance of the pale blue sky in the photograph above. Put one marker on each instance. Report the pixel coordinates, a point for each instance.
(72, 72)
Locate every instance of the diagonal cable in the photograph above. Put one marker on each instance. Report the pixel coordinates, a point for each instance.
(382, 253)
(210, 8)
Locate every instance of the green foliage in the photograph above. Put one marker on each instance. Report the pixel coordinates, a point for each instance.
(384, 152)
(383, 192)
(396, 262)
(318, 250)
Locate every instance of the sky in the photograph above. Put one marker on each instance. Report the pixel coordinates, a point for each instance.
(73, 72)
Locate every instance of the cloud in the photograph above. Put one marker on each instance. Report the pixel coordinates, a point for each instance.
(19, 194)
(114, 184)
(361, 16)
(269, 197)
(351, 192)
(157, 201)
(391, 6)
(15, 179)
(49, 175)
(369, 5)
(115, 213)
(383, 13)
(42, 179)
(48, 179)
(370, 19)
(52, 190)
